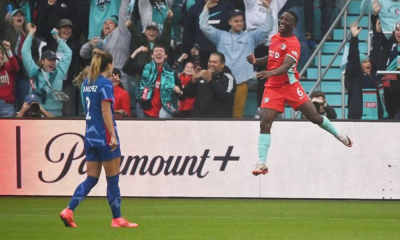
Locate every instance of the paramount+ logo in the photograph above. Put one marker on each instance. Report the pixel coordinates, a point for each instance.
(175, 165)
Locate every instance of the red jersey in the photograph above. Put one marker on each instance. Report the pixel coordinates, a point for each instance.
(122, 100)
(278, 49)
(188, 103)
(8, 74)
(156, 103)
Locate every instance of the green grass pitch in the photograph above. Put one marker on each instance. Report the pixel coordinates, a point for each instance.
(186, 219)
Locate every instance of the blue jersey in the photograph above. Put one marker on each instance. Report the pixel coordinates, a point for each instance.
(93, 95)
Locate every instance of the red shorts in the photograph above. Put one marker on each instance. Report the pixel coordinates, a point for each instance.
(276, 97)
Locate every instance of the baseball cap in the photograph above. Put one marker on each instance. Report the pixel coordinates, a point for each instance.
(19, 10)
(152, 25)
(48, 54)
(235, 12)
(64, 22)
(31, 98)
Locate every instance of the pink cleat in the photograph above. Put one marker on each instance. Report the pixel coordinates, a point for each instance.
(122, 222)
(261, 168)
(67, 216)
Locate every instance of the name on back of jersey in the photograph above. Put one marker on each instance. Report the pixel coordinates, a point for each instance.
(90, 88)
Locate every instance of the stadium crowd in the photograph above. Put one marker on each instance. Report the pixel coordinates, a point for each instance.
(160, 47)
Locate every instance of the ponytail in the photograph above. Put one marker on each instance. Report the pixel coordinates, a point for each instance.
(99, 64)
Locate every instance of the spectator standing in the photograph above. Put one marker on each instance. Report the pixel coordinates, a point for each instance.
(189, 3)
(364, 87)
(15, 32)
(151, 37)
(389, 62)
(234, 45)
(213, 88)
(255, 17)
(238, 4)
(154, 11)
(122, 103)
(156, 94)
(388, 10)
(8, 71)
(50, 13)
(327, 8)
(65, 30)
(114, 38)
(185, 107)
(27, 6)
(218, 18)
(48, 75)
(100, 11)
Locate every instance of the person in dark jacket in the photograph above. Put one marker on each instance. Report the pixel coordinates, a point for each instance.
(389, 62)
(213, 88)
(51, 12)
(219, 16)
(364, 88)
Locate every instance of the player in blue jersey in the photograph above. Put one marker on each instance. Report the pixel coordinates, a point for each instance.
(101, 140)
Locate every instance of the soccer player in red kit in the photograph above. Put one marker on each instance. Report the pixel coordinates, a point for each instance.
(283, 87)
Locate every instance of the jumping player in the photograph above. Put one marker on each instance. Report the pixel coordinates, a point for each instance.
(283, 87)
(101, 140)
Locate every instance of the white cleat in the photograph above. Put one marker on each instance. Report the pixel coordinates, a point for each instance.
(345, 140)
(261, 168)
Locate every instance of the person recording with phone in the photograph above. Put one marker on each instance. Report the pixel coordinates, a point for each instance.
(32, 108)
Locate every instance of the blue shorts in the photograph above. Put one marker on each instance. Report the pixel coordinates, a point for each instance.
(101, 153)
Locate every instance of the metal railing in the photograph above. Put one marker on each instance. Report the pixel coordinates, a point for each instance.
(318, 51)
